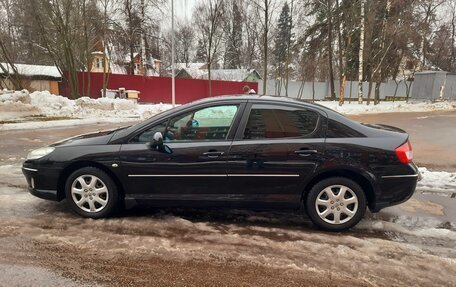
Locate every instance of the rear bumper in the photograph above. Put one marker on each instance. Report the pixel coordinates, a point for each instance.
(396, 189)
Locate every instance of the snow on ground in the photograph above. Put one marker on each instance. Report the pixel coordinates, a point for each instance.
(21, 109)
(389, 107)
(24, 110)
(441, 182)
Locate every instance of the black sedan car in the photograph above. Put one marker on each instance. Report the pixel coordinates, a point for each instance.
(233, 151)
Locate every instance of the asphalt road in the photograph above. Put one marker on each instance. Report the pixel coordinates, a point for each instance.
(44, 244)
(433, 135)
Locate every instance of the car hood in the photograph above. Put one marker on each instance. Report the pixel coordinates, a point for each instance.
(96, 138)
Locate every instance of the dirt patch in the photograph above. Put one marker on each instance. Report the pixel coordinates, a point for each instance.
(36, 118)
(414, 205)
(91, 267)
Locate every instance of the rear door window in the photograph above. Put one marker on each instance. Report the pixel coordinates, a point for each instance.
(269, 121)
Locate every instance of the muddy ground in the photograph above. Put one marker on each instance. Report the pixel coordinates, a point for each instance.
(44, 244)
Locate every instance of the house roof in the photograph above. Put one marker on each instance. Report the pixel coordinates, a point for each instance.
(180, 66)
(34, 71)
(194, 73)
(237, 75)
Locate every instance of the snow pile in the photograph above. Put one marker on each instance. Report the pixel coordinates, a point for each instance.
(16, 104)
(13, 97)
(105, 104)
(437, 181)
(48, 105)
(389, 107)
(415, 226)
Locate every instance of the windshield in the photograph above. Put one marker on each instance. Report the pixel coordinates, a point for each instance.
(127, 130)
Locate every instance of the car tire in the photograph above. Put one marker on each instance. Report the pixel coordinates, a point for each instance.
(336, 204)
(91, 193)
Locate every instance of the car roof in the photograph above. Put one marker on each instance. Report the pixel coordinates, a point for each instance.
(277, 99)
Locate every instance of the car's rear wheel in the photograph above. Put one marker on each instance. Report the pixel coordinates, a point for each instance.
(336, 204)
(92, 193)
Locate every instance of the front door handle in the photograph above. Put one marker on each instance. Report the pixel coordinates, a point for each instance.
(305, 152)
(213, 154)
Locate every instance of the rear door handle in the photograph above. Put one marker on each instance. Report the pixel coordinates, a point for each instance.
(213, 154)
(305, 152)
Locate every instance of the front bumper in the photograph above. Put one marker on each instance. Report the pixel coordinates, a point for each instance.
(44, 194)
(42, 182)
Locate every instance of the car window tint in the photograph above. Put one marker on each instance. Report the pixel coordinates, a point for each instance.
(148, 134)
(267, 121)
(212, 123)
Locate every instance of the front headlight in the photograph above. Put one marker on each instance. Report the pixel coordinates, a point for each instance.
(39, 153)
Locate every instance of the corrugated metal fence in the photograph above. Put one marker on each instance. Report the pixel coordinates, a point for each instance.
(321, 90)
(435, 85)
(428, 85)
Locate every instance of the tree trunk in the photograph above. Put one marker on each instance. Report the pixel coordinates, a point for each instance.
(342, 77)
(395, 90)
(301, 90)
(143, 40)
(453, 32)
(377, 93)
(407, 90)
(361, 54)
(265, 45)
(313, 90)
(210, 81)
(342, 90)
(330, 52)
(287, 71)
(369, 92)
(86, 47)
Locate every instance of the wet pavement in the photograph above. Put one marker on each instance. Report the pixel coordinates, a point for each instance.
(433, 135)
(42, 243)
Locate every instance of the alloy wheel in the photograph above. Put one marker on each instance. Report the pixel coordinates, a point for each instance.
(89, 193)
(336, 204)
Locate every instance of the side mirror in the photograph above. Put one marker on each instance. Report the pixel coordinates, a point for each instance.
(157, 140)
(157, 144)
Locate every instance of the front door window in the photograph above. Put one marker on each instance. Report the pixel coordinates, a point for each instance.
(212, 123)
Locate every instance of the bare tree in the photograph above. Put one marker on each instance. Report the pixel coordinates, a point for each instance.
(426, 11)
(264, 10)
(9, 70)
(59, 23)
(7, 45)
(208, 17)
(185, 36)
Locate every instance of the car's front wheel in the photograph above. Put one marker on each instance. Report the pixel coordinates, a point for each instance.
(336, 204)
(92, 193)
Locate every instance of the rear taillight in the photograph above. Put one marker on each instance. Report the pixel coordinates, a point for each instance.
(404, 153)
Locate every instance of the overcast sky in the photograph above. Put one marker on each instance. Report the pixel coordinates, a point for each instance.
(183, 9)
